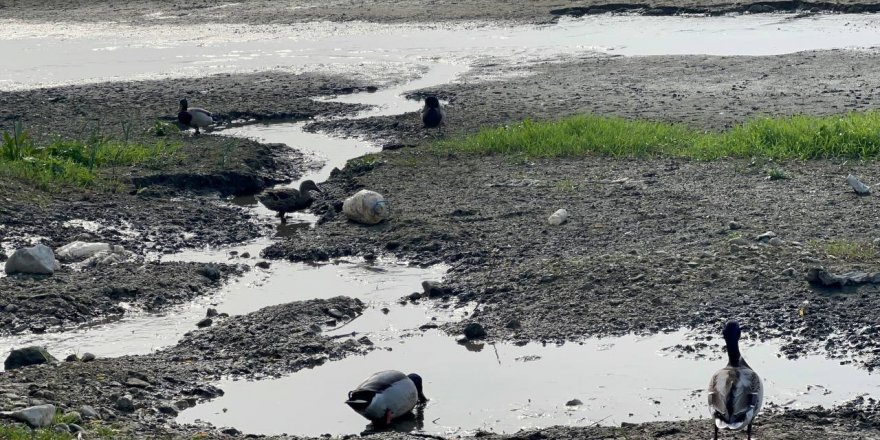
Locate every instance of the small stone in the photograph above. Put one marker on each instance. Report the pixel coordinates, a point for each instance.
(738, 241)
(75, 428)
(204, 323)
(734, 225)
(38, 260)
(474, 331)
(211, 313)
(71, 358)
(385, 310)
(168, 410)
(230, 431)
(433, 289)
(182, 404)
(73, 417)
(857, 185)
(765, 237)
(789, 272)
(88, 357)
(137, 383)
(559, 217)
(365, 341)
(263, 264)
(335, 313)
(61, 428)
(245, 255)
(315, 328)
(88, 412)
(124, 404)
(776, 241)
(574, 402)
(210, 272)
(415, 296)
(23, 357)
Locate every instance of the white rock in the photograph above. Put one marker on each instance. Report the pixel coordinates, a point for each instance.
(39, 416)
(35, 260)
(368, 207)
(80, 250)
(857, 185)
(559, 217)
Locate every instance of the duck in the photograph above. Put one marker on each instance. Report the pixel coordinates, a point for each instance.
(387, 395)
(735, 391)
(432, 114)
(194, 117)
(284, 200)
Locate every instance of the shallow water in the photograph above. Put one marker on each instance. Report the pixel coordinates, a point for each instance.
(504, 387)
(379, 285)
(64, 53)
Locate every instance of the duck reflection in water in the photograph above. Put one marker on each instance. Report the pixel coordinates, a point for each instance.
(411, 422)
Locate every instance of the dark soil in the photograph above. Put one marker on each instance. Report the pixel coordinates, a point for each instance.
(266, 11)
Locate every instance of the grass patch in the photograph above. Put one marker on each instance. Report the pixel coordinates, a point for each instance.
(15, 432)
(848, 250)
(853, 135)
(77, 162)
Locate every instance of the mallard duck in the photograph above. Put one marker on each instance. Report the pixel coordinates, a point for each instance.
(735, 392)
(432, 114)
(286, 200)
(386, 395)
(194, 117)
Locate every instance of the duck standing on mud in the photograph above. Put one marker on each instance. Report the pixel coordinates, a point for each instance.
(286, 200)
(735, 392)
(194, 117)
(386, 395)
(432, 114)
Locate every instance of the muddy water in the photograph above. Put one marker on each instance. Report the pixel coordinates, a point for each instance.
(380, 285)
(64, 53)
(504, 387)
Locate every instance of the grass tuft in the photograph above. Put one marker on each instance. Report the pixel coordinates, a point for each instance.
(76, 162)
(851, 251)
(853, 135)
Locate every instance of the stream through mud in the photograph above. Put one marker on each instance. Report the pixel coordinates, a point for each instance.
(499, 387)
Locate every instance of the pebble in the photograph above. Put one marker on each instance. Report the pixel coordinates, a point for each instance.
(137, 383)
(204, 323)
(211, 313)
(167, 409)
(739, 241)
(474, 331)
(71, 358)
(124, 404)
(734, 225)
(88, 412)
(776, 241)
(765, 237)
(263, 264)
(245, 255)
(574, 402)
(88, 357)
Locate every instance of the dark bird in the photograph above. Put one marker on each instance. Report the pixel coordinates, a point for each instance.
(284, 200)
(735, 392)
(194, 117)
(386, 395)
(432, 114)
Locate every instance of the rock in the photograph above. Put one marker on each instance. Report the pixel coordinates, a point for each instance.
(137, 383)
(75, 427)
(230, 431)
(39, 260)
(73, 417)
(336, 314)
(88, 357)
(71, 358)
(513, 324)
(822, 277)
(88, 412)
(167, 409)
(210, 272)
(367, 207)
(124, 404)
(857, 185)
(559, 217)
(434, 289)
(39, 416)
(734, 225)
(204, 323)
(245, 255)
(3, 256)
(211, 313)
(61, 428)
(23, 357)
(474, 331)
(263, 264)
(365, 341)
(765, 237)
(739, 241)
(789, 272)
(80, 250)
(574, 402)
(775, 241)
(415, 296)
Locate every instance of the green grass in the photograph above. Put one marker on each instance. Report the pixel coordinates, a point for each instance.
(848, 250)
(77, 162)
(15, 432)
(853, 135)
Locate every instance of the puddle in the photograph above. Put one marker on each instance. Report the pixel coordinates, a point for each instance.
(66, 53)
(504, 388)
(379, 285)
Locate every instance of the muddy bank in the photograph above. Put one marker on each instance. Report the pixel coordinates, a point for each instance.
(707, 92)
(264, 11)
(71, 298)
(140, 395)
